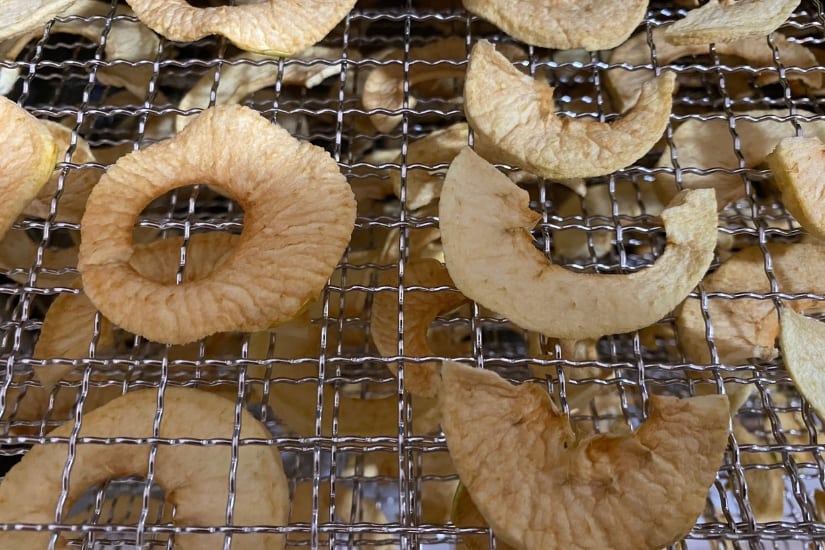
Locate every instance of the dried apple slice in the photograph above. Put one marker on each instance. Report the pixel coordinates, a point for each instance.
(125, 40)
(21, 16)
(26, 163)
(77, 184)
(464, 513)
(797, 164)
(625, 85)
(802, 340)
(420, 309)
(512, 449)
(746, 328)
(270, 27)
(290, 190)
(730, 20)
(709, 144)
(561, 24)
(247, 73)
(485, 230)
(439, 147)
(517, 115)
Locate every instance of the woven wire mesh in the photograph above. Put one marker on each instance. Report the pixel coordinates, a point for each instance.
(394, 488)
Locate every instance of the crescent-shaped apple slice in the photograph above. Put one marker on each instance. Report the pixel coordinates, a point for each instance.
(537, 484)
(485, 225)
(517, 114)
(797, 164)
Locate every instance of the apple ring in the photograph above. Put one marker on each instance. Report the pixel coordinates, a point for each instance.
(274, 27)
(299, 214)
(485, 231)
(30, 491)
(516, 114)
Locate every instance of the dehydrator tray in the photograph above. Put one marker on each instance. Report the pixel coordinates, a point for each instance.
(308, 382)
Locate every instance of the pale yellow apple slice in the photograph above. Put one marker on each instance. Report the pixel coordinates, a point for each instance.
(563, 24)
(535, 481)
(798, 165)
(517, 115)
(485, 231)
(730, 20)
(803, 341)
(625, 85)
(269, 26)
(21, 16)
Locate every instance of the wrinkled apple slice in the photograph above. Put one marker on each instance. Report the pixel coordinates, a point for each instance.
(485, 231)
(709, 144)
(420, 309)
(21, 16)
(125, 40)
(271, 26)
(295, 403)
(26, 162)
(797, 164)
(77, 184)
(625, 85)
(803, 340)
(464, 513)
(517, 115)
(562, 24)
(730, 20)
(746, 328)
(515, 454)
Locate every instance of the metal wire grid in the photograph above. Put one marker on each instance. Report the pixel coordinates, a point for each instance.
(388, 471)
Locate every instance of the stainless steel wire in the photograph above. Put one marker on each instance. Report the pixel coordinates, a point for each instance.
(394, 488)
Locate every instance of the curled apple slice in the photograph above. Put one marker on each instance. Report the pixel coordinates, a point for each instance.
(517, 115)
(562, 24)
(516, 455)
(485, 231)
(802, 340)
(727, 20)
(625, 84)
(797, 164)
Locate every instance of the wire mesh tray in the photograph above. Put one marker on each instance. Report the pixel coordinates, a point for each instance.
(394, 488)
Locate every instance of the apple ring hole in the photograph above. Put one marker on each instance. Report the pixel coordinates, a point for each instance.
(118, 501)
(201, 207)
